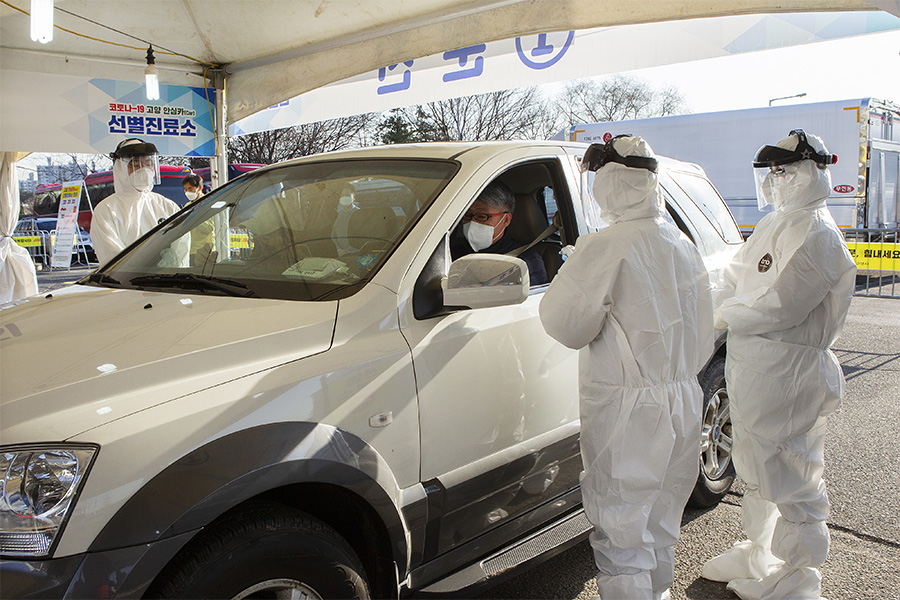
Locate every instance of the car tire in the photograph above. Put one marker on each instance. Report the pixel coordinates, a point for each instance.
(716, 465)
(265, 550)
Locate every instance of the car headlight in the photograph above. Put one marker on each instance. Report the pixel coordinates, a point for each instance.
(37, 490)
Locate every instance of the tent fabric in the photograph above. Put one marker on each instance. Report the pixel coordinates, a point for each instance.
(276, 50)
(18, 278)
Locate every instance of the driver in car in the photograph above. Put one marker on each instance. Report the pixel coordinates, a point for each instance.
(484, 230)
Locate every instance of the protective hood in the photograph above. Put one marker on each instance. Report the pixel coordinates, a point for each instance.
(804, 183)
(625, 193)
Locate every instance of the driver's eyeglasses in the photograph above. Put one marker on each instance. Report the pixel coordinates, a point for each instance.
(776, 170)
(481, 217)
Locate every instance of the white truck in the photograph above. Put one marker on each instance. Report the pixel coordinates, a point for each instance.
(864, 133)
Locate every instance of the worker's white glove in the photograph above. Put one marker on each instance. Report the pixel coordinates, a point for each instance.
(718, 322)
(566, 252)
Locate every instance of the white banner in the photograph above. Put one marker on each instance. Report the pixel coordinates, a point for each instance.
(64, 113)
(561, 56)
(66, 225)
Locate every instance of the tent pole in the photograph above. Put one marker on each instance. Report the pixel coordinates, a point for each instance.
(219, 167)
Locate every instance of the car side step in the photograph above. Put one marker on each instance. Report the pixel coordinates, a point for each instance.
(545, 543)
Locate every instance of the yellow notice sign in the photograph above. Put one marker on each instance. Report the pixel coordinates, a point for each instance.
(27, 241)
(875, 256)
(71, 190)
(240, 240)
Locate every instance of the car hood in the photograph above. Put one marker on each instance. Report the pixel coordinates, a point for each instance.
(84, 356)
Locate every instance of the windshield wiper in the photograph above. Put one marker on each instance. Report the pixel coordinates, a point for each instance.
(102, 278)
(195, 282)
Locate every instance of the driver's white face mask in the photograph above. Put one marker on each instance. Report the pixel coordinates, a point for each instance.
(192, 195)
(479, 235)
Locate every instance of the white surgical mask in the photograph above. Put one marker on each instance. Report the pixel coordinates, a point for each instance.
(192, 195)
(142, 179)
(479, 235)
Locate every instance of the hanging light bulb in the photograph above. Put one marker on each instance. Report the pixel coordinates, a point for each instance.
(151, 75)
(42, 20)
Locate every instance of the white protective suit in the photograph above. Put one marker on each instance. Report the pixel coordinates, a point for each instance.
(787, 293)
(635, 298)
(129, 213)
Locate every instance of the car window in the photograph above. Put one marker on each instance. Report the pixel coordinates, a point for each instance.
(308, 231)
(534, 185)
(673, 215)
(709, 202)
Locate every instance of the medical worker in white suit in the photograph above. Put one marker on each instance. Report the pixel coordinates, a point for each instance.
(787, 294)
(134, 209)
(635, 299)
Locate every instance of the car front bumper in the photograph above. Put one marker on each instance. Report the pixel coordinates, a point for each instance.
(119, 573)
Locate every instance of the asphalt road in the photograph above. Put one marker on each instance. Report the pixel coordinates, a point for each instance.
(862, 472)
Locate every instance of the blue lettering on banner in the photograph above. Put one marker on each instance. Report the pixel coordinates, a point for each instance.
(188, 129)
(403, 84)
(170, 126)
(135, 125)
(543, 49)
(153, 125)
(462, 55)
(117, 124)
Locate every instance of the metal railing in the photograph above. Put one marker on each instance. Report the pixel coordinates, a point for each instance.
(39, 244)
(877, 256)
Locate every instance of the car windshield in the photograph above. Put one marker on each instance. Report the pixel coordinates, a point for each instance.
(309, 231)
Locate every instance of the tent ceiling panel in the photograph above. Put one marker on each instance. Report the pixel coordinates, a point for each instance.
(278, 49)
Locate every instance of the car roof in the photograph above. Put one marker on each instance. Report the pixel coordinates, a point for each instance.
(453, 150)
(427, 150)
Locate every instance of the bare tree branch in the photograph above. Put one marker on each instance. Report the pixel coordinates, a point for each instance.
(503, 115)
(617, 98)
(276, 145)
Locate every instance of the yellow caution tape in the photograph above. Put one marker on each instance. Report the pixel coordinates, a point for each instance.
(27, 241)
(875, 257)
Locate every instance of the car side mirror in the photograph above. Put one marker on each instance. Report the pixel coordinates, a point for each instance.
(485, 280)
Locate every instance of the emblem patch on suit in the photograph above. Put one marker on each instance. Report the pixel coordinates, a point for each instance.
(765, 263)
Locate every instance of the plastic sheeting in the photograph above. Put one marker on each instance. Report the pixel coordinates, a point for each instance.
(18, 278)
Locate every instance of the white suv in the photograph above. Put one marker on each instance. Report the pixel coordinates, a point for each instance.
(292, 387)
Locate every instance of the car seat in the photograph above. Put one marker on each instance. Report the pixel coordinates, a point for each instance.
(529, 221)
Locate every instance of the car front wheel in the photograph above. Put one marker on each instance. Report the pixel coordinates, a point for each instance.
(716, 442)
(265, 550)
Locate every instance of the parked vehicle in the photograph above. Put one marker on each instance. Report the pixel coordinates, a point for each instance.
(100, 185)
(44, 229)
(321, 414)
(864, 133)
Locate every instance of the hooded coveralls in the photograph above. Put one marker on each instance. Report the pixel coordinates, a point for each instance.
(790, 287)
(126, 215)
(635, 299)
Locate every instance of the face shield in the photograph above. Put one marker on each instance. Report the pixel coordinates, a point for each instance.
(771, 186)
(589, 207)
(141, 161)
(622, 178)
(774, 166)
(598, 155)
